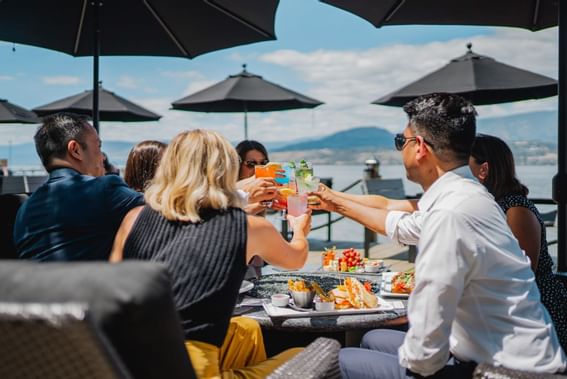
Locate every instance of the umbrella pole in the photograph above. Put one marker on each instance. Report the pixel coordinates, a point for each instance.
(245, 124)
(96, 33)
(560, 180)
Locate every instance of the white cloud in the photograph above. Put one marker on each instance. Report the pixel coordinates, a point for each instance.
(191, 75)
(346, 80)
(129, 82)
(6, 77)
(349, 80)
(61, 80)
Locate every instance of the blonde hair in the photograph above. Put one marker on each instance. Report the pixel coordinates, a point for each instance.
(198, 170)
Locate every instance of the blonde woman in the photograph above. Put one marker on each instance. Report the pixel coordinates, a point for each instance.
(194, 223)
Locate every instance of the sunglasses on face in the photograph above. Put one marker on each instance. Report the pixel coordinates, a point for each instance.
(400, 141)
(252, 163)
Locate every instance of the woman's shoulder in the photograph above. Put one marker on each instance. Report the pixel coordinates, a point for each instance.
(514, 200)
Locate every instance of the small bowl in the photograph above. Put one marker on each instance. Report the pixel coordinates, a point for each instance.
(374, 266)
(324, 306)
(280, 299)
(303, 299)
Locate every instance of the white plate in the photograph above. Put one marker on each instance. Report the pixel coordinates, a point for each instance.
(386, 286)
(246, 286)
(289, 312)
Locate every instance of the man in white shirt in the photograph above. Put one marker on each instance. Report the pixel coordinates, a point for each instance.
(475, 299)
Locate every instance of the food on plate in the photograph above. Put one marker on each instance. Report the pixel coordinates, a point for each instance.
(324, 297)
(328, 256)
(350, 261)
(403, 282)
(353, 294)
(298, 285)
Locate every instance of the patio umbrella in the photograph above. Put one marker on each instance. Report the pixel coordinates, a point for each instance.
(14, 114)
(178, 28)
(527, 14)
(244, 92)
(111, 107)
(479, 78)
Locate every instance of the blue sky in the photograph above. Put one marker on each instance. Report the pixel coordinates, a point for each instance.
(321, 51)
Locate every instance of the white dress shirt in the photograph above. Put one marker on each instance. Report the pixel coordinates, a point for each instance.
(475, 293)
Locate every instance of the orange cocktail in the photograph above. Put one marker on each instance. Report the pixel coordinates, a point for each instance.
(267, 171)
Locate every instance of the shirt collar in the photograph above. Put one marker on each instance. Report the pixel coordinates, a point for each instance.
(63, 172)
(437, 188)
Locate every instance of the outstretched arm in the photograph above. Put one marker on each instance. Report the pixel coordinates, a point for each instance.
(265, 241)
(375, 201)
(371, 217)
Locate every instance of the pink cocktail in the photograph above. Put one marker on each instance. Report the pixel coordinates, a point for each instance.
(297, 204)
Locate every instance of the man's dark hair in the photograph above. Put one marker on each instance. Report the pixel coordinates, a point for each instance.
(54, 134)
(446, 121)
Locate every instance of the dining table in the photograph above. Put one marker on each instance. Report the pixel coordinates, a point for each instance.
(284, 332)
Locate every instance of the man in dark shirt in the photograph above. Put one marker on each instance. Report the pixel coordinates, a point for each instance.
(76, 213)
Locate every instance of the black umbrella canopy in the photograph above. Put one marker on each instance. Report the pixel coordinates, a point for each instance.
(527, 14)
(112, 107)
(14, 114)
(245, 92)
(178, 28)
(479, 78)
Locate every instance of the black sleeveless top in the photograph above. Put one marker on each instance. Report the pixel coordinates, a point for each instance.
(206, 262)
(553, 293)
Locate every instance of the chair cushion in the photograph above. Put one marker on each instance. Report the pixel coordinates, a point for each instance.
(130, 302)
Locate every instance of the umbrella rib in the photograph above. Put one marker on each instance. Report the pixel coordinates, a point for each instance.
(391, 12)
(167, 30)
(80, 27)
(237, 18)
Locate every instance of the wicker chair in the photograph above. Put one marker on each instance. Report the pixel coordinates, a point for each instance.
(486, 371)
(107, 321)
(319, 360)
(126, 318)
(54, 341)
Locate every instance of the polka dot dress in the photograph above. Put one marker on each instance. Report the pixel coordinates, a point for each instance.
(553, 293)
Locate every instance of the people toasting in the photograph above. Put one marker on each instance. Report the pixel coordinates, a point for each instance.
(475, 298)
(194, 222)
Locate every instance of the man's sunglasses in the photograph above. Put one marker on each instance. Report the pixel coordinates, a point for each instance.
(252, 163)
(400, 141)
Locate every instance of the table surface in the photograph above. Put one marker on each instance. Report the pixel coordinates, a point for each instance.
(277, 283)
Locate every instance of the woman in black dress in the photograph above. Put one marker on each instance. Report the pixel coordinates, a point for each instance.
(492, 162)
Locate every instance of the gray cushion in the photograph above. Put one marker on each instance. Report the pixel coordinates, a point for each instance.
(130, 302)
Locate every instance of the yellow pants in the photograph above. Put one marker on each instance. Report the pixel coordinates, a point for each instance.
(242, 354)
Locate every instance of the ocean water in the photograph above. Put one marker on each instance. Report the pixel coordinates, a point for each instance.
(536, 178)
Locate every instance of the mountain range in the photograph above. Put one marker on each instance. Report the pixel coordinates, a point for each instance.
(521, 131)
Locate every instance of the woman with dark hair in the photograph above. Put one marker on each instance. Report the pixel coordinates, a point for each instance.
(142, 163)
(492, 162)
(259, 190)
(251, 153)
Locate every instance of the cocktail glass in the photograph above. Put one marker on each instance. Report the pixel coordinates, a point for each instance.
(284, 192)
(297, 204)
(286, 173)
(303, 174)
(269, 170)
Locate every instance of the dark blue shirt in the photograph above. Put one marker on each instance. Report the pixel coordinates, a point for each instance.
(73, 217)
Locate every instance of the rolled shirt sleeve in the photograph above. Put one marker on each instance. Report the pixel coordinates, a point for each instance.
(403, 227)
